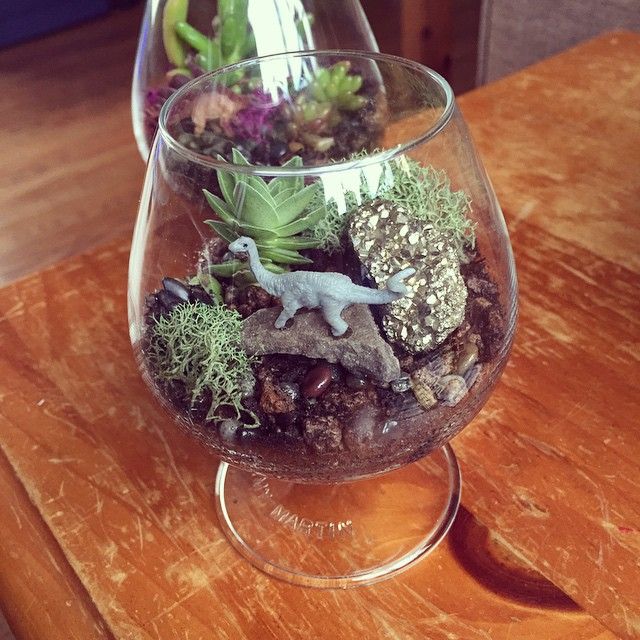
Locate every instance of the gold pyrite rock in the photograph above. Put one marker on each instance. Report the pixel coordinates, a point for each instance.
(386, 238)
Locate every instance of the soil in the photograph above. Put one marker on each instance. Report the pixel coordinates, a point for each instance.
(321, 423)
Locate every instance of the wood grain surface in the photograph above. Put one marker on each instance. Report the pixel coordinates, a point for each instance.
(551, 465)
(129, 499)
(554, 461)
(69, 171)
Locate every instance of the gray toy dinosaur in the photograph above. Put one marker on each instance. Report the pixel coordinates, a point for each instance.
(331, 292)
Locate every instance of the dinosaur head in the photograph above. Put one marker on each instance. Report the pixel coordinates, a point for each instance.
(242, 245)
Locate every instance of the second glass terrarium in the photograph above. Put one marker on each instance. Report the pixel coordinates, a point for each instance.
(182, 39)
(322, 291)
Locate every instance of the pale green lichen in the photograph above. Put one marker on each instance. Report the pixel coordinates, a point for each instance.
(199, 347)
(424, 192)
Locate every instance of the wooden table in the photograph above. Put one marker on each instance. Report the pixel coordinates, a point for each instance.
(108, 527)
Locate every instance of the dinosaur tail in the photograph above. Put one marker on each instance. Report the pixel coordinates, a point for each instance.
(394, 290)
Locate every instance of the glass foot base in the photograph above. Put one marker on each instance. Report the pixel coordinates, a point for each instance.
(340, 535)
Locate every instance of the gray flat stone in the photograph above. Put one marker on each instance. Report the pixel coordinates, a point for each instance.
(362, 350)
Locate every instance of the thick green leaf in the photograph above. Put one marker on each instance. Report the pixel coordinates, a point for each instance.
(213, 55)
(284, 195)
(254, 207)
(223, 230)
(230, 35)
(294, 183)
(294, 243)
(231, 268)
(227, 183)
(192, 37)
(238, 158)
(257, 233)
(174, 11)
(220, 207)
(299, 225)
(284, 256)
(293, 207)
(274, 268)
(209, 284)
(227, 269)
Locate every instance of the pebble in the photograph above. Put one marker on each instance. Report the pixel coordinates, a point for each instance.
(471, 375)
(228, 429)
(451, 390)
(358, 432)
(278, 397)
(176, 288)
(402, 384)
(178, 80)
(355, 382)
(323, 433)
(424, 376)
(317, 381)
(424, 395)
(467, 358)
(168, 300)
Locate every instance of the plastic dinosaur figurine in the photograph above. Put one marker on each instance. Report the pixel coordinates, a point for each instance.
(329, 291)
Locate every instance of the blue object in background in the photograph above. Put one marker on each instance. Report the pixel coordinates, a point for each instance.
(24, 19)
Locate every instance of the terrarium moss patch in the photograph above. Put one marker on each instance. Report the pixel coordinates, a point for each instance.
(424, 192)
(199, 347)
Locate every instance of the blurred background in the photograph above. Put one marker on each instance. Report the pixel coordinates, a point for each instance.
(470, 42)
(70, 174)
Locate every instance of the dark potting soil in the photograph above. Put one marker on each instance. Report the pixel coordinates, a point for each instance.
(322, 423)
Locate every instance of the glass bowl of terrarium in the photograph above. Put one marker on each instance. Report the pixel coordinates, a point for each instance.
(324, 322)
(182, 39)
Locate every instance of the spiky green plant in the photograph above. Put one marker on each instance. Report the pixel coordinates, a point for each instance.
(334, 88)
(317, 108)
(273, 213)
(199, 346)
(233, 41)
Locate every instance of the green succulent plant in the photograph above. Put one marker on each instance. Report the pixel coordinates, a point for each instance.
(275, 214)
(333, 88)
(233, 41)
(316, 109)
(199, 348)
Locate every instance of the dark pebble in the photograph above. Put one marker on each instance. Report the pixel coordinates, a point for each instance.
(178, 80)
(355, 382)
(176, 288)
(317, 381)
(278, 149)
(198, 294)
(187, 125)
(168, 300)
(402, 384)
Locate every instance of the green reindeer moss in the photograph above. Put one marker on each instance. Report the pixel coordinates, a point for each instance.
(425, 192)
(199, 347)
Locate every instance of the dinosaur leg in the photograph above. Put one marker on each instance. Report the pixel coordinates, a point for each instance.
(289, 308)
(331, 312)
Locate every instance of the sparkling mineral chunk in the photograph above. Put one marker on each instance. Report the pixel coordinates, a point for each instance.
(435, 303)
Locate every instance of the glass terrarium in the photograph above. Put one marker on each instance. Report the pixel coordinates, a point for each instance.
(322, 291)
(182, 39)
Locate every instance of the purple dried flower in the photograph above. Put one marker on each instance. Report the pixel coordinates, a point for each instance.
(254, 121)
(153, 101)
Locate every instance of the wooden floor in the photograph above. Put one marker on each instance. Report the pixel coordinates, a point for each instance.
(47, 86)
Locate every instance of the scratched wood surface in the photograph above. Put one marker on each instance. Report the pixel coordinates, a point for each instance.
(127, 499)
(69, 173)
(554, 462)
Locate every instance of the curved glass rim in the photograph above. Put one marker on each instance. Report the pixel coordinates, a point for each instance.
(343, 165)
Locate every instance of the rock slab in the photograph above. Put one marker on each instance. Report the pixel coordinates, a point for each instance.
(362, 350)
